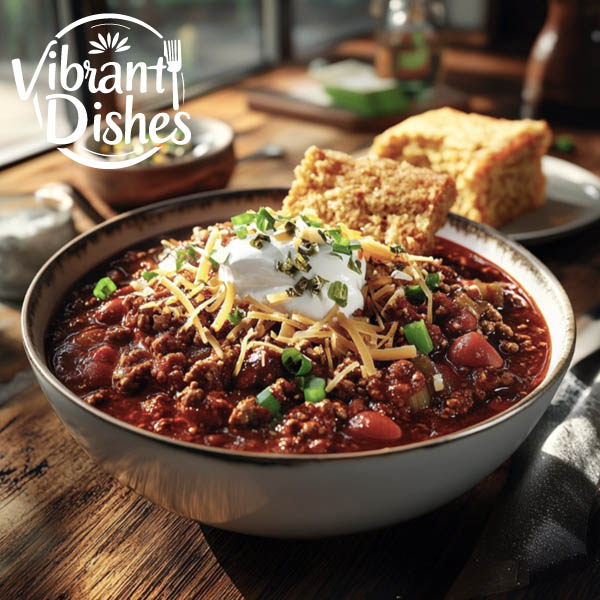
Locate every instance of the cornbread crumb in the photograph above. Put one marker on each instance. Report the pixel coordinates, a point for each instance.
(395, 203)
(495, 163)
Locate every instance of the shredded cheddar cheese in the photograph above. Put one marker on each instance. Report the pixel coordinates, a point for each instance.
(226, 306)
(331, 384)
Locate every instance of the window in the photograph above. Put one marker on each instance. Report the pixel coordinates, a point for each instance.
(220, 39)
(319, 23)
(26, 26)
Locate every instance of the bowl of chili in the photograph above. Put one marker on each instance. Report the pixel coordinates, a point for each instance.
(247, 485)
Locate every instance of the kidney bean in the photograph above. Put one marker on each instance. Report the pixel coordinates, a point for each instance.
(112, 312)
(105, 354)
(216, 439)
(371, 425)
(97, 374)
(473, 350)
(89, 337)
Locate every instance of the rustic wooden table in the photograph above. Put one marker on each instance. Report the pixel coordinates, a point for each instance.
(69, 531)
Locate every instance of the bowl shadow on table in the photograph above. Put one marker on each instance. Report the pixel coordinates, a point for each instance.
(395, 562)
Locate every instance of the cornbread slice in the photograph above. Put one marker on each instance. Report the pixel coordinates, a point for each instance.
(496, 163)
(394, 202)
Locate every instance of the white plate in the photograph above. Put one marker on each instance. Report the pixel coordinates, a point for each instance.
(572, 202)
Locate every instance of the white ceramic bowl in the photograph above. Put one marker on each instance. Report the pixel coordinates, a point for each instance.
(282, 495)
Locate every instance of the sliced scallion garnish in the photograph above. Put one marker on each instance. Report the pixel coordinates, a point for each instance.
(433, 281)
(314, 390)
(104, 288)
(415, 294)
(149, 275)
(268, 401)
(301, 263)
(316, 283)
(416, 333)
(244, 218)
(311, 222)
(236, 315)
(264, 219)
(397, 248)
(180, 259)
(241, 231)
(341, 247)
(295, 362)
(259, 240)
(338, 292)
(355, 265)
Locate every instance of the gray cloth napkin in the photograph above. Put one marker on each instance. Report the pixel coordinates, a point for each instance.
(541, 519)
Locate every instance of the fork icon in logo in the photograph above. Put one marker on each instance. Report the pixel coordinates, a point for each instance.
(172, 51)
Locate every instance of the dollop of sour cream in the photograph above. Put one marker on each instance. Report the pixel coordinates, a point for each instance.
(253, 272)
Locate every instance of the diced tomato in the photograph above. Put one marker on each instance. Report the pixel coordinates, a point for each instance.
(473, 350)
(371, 425)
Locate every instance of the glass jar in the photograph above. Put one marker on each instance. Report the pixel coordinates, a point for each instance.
(407, 44)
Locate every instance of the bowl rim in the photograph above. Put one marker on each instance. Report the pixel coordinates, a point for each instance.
(80, 145)
(39, 365)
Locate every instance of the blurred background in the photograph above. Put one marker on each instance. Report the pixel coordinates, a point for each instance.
(509, 57)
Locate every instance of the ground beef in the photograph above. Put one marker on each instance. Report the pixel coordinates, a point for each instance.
(213, 373)
(133, 372)
(261, 367)
(248, 414)
(396, 384)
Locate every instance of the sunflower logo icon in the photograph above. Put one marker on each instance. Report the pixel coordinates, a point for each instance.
(108, 43)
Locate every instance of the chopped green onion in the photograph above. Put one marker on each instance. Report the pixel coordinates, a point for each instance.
(338, 292)
(191, 252)
(355, 245)
(397, 249)
(355, 265)
(308, 249)
(287, 266)
(300, 287)
(244, 219)
(236, 315)
(416, 334)
(295, 362)
(149, 275)
(290, 227)
(219, 257)
(336, 234)
(241, 231)
(341, 247)
(314, 390)
(267, 400)
(316, 284)
(564, 143)
(180, 260)
(104, 288)
(433, 281)
(336, 255)
(301, 263)
(311, 222)
(259, 240)
(415, 294)
(264, 219)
